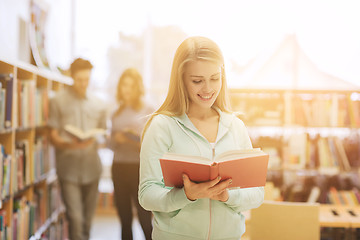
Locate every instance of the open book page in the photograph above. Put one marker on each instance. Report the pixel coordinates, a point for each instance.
(229, 155)
(187, 158)
(237, 154)
(80, 134)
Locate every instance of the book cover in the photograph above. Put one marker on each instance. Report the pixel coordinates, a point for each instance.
(83, 135)
(246, 168)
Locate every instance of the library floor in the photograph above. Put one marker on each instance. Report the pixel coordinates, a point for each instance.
(107, 227)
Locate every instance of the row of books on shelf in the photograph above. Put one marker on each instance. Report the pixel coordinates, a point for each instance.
(332, 196)
(52, 222)
(29, 214)
(330, 109)
(344, 197)
(57, 230)
(32, 103)
(299, 186)
(43, 160)
(259, 109)
(25, 170)
(325, 110)
(21, 165)
(329, 154)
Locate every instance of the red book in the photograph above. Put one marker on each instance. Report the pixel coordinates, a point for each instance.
(246, 168)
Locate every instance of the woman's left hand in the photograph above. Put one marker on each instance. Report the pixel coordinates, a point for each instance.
(213, 189)
(222, 196)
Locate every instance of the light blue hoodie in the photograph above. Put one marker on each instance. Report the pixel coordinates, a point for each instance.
(176, 217)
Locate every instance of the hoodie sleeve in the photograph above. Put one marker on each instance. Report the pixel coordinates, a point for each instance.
(244, 199)
(247, 198)
(153, 195)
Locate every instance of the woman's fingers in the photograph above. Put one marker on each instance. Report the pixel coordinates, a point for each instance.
(208, 189)
(220, 187)
(213, 182)
(186, 180)
(189, 188)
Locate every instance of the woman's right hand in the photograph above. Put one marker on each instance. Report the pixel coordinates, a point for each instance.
(213, 189)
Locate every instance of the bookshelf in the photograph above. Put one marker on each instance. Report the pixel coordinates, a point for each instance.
(30, 201)
(313, 139)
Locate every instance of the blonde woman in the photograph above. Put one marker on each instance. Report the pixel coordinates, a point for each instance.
(195, 119)
(127, 124)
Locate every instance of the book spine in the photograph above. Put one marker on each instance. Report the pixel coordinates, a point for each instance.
(9, 99)
(2, 107)
(214, 170)
(19, 103)
(334, 196)
(357, 194)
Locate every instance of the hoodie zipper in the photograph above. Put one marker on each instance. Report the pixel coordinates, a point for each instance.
(213, 157)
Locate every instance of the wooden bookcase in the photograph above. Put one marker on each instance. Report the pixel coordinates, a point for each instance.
(30, 201)
(312, 137)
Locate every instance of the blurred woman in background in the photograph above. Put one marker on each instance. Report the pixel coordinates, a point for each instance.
(127, 124)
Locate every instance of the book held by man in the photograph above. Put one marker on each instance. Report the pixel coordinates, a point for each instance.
(84, 135)
(246, 168)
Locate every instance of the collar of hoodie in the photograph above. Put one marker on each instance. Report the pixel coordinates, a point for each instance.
(225, 122)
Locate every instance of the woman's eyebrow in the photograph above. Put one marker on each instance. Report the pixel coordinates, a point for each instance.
(215, 74)
(198, 76)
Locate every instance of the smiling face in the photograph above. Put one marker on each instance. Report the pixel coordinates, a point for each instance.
(202, 82)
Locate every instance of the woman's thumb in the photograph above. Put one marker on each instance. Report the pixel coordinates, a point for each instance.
(185, 178)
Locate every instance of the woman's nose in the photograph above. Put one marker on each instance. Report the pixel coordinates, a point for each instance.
(207, 86)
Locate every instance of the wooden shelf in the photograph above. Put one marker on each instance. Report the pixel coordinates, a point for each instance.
(32, 182)
(307, 132)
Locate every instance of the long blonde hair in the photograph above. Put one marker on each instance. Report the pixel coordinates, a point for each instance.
(177, 100)
(137, 104)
